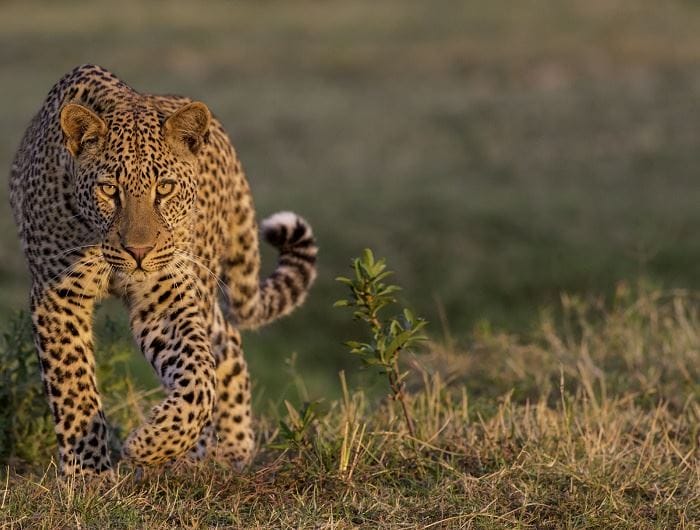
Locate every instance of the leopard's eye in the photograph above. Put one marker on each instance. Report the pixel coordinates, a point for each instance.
(110, 190)
(165, 188)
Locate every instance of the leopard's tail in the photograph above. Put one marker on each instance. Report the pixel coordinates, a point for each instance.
(285, 289)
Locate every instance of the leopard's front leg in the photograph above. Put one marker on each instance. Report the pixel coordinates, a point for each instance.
(62, 321)
(168, 323)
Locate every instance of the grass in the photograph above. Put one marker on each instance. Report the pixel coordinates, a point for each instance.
(590, 423)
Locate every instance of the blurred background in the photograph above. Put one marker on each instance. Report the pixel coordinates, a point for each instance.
(497, 153)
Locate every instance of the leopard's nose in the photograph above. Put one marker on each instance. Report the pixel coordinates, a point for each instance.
(138, 253)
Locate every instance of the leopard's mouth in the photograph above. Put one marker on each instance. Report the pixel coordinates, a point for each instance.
(133, 269)
(138, 275)
(123, 281)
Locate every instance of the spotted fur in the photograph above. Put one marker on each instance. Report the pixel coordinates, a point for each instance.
(143, 197)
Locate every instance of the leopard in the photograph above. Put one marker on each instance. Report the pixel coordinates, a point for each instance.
(142, 197)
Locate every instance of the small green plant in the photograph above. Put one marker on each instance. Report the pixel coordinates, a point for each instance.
(26, 426)
(294, 433)
(389, 335)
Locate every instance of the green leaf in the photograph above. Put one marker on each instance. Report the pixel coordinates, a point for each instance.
(388, 290)
(394, 327)
(293, 414)
(286, 430)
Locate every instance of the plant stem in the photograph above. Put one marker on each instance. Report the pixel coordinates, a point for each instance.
(397, 388)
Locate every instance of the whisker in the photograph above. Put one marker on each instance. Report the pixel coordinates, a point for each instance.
(68, 251)
(72, 268)
(188, 273)
(173, 277)
(193, 255)
(67, 219)
(105, 277)
(222, 286)
(197, 282)
(88, 282)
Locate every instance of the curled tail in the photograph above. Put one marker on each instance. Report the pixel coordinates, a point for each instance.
(252, 305)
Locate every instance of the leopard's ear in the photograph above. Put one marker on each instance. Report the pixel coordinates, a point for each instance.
(81, 127)
(187, 129)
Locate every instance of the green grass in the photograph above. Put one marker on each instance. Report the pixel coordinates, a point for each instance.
(593, 423)
(497, 153)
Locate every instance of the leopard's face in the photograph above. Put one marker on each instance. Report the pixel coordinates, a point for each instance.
(142, 210)
(136, 182)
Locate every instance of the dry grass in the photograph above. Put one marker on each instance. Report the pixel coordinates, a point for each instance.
(591, 424)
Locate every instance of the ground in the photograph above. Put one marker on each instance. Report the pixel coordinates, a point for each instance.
(591, 424)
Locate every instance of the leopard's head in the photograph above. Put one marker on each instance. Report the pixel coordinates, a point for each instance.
(135, 179)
